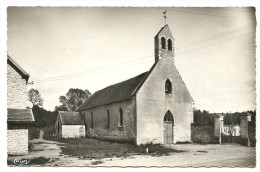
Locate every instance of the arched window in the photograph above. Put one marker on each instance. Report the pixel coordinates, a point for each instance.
(168, 87)
(168, 116)
(169, 44)
(108, 119)
(92, 120)
(120, 118)
(163, 42)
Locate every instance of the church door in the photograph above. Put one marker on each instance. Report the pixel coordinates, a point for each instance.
(168, 124)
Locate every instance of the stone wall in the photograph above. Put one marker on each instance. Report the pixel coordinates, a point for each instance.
(126, 133)
(153, 103)
(72, 131)
(17, 141)
(16, 89)
(202, 133)
(252, 133)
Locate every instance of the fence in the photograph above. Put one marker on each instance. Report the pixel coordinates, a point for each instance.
(231, 130)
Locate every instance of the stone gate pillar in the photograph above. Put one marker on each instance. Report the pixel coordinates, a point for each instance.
(245, 118)
(218, 127)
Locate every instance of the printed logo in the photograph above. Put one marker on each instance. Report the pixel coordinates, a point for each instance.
(21, 161)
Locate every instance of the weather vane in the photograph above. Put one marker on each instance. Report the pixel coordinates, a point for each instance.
(164, 15)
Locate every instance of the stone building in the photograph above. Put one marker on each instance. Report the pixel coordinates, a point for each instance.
(18, 116)
(153, 107)
(69, 125)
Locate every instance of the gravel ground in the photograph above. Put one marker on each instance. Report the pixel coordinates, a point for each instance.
(195, 155)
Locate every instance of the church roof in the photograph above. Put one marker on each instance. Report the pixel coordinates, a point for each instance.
(18, 68)
(70, 118)
(19, 115)
(116, 93)
(165, 30)
(161, 30)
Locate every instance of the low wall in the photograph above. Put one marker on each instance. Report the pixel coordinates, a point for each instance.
(202, 133)
(230, 139)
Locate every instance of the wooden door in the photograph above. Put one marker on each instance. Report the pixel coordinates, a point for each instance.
(168, 132)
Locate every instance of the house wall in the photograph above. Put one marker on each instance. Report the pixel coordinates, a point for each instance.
(17, 141)
(16, 89)
(152, 104)
(72, 131)
(100, 122)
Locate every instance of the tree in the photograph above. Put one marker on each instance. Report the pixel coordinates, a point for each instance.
(43, 118)
(34, 97)
(73, 99)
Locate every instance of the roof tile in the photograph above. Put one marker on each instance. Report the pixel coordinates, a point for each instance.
(19, 115)
(114, 93)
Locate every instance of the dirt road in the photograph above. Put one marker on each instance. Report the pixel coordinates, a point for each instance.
(211, 155)
(195, 155)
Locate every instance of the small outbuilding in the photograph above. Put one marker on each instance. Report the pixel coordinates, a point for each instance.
(69, 125)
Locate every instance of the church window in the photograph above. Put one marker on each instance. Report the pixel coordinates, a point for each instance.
(168, 116)
(169, 44)
(120, 118)
(92, 120)
(168, 87)
(163, 42)
(108, 119)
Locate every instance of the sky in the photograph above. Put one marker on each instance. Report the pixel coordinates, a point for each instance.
(92, 48)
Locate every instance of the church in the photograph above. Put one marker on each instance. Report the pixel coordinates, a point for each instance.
(153, 107)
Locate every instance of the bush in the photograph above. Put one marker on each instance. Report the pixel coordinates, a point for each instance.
(34, 133)
(48, 133)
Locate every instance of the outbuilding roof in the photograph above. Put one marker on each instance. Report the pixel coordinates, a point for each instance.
(20, 115)
(18, 68)
(70, 118)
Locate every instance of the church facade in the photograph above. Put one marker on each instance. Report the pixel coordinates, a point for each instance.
(153, 107)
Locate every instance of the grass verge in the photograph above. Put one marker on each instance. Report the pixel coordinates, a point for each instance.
(98, 149)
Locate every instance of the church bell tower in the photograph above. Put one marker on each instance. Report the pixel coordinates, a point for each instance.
(164, 44)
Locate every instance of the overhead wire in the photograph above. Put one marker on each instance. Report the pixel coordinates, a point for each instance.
(79, 74)
(126, 62)
(214, 43)
(106, 70)
(205, 14)
(205, 40)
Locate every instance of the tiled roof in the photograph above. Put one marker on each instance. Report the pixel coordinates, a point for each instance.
(115, 93)
(70, 118)
(19, 115)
